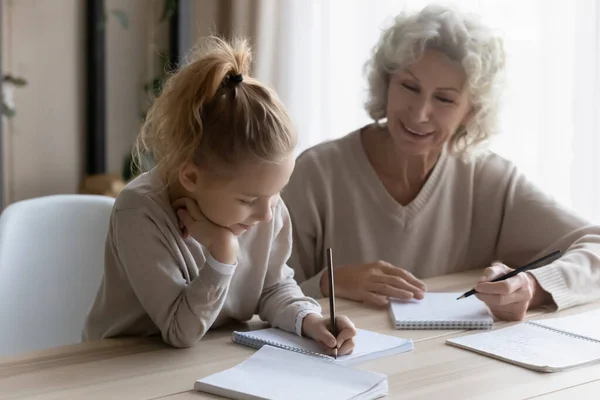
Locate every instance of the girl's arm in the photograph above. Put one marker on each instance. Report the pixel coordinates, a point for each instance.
(181, 308)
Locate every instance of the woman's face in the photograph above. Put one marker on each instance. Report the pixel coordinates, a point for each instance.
(427, 103)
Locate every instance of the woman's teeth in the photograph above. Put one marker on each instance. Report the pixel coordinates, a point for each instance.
(417, 132)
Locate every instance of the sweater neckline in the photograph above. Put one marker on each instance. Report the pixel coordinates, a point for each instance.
(384, 199)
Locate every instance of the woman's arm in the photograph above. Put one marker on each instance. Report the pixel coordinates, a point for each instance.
(533, 225)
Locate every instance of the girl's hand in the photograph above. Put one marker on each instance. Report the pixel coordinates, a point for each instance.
(318, 328)
(220, 241)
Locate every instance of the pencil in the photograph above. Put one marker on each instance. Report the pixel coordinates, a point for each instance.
(540, 262)
(332, 297)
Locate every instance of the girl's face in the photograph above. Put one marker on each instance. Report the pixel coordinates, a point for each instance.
(244, 201)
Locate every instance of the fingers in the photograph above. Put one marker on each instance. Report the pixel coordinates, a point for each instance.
(347, 347)
(190, 204)
(375, 299)
(343, 323)
(505, 287)
(508, 300)
(179, 203)
(496, 270)
(326, 338)
(506, 308)
(318, 329)
(395, 283)
(390, 291)
(494, 300)
(519, 292)
(409, 278)
(182, 228)
(345, 328)
(185, 217)
(184, 232)
(345, 338)
(513, 314)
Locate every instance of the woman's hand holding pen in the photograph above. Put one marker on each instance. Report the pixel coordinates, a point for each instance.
(510, 299)
(221, 242)
(318, 329)
(374, 283)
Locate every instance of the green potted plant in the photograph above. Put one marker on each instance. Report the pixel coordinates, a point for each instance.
(9, 83)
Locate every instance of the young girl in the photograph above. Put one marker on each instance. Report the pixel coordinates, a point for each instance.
(203, 237)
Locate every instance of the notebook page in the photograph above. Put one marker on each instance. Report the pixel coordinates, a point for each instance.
(532, 346)
(443, 307)
(274, 373)
(583, 324)
(368, 344)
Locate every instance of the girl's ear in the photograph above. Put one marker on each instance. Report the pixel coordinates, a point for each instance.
(190, 176)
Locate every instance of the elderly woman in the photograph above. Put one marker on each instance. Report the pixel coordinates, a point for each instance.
(415, 195)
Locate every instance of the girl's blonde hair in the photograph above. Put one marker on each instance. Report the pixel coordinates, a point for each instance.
(212, 113)
(462, 37)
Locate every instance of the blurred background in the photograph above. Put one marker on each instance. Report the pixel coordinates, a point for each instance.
(78, 76)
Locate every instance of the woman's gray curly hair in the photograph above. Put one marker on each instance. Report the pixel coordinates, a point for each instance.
(463, 38)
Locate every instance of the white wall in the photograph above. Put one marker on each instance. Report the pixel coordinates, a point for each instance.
(131, 61)
(43, 41)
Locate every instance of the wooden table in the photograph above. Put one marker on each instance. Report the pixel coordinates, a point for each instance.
(145, 368)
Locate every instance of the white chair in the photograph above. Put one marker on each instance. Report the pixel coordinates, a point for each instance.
(51, 264)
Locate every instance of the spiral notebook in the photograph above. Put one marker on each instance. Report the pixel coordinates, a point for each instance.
(440, 311)
(274, 373)
(548, 345)
(368, 345)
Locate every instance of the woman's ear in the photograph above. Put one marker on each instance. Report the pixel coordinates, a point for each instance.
(190, 176)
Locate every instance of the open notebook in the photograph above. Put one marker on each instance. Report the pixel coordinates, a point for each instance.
(274, 373)
(547, 345)
(440, 311)
(368, 345)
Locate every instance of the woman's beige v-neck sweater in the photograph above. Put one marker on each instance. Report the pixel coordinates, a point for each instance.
(467, 215)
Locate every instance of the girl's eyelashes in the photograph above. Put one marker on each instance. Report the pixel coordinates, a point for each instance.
(410, 87)
(247, 202)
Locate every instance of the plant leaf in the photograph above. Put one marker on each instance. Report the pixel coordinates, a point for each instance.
(17, 81)
(6, 110)
(101, 23)
(154, 87)
(169, 9)
(121, 17)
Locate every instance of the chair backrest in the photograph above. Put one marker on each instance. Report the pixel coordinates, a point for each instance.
(51, 264)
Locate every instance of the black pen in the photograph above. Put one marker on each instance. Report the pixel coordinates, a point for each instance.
(332, 297)
(540, 262)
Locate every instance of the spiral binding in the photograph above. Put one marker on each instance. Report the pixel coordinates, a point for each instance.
(256, 343)
(453, 324)
(566, 333)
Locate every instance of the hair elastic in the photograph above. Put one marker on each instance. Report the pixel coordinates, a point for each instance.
(236, 78)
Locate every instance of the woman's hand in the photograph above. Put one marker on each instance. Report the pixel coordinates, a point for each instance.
(319, 329)
(374, 283)
(220, 241)
(510, 299)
